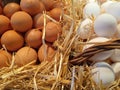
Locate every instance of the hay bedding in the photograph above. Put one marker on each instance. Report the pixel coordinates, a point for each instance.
(60, 74)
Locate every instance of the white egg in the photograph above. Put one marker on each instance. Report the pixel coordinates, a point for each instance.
(115, 57)
(102, 55)
(105, 5)
(105, 25)
(103, 64)
(95, 40)
(84, 30)
(91, 9)
(116, 69)
(118, 31)
(114, 9)
(88, 1)
(103, 72)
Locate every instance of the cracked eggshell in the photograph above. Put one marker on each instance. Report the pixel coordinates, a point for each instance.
(105, 25)
(84, 30)
(116, 69)
(91, 9)
(115, 57)
(103, 72)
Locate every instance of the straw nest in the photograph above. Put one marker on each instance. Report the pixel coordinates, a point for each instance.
(60, 73)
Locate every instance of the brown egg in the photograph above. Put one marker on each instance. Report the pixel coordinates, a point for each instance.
(58, 4)
(50, 52)
(32, 6)
(48, 4)
(0, 10)
(56, 13)
(5, 58)
(33, 38)
(0, 2)
(52, 31)
(0, 44)
(12, 40)
(4, 24)
(39, 21)
(21, 21)
(10, 9)
(25, 55)
(42, 7)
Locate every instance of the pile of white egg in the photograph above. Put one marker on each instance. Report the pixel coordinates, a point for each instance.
(106, 26)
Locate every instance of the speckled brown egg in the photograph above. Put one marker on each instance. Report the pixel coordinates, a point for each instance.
(12, 40)
(21, 21)
(53, 30)
(25, 55)
(32, 6)
(46, 52)
(4, 24)
(10, 9)
(5, 58)
(39, 21)
(33, 38)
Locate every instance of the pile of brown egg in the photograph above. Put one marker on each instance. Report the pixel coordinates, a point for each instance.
(22, 27)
